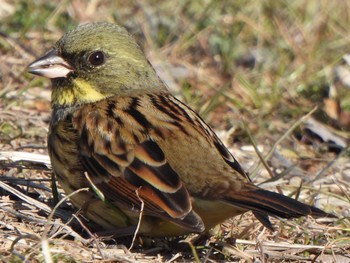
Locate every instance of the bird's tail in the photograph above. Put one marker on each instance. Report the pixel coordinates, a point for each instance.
(264, 203)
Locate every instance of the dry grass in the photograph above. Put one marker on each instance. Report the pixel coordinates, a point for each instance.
(256, 68)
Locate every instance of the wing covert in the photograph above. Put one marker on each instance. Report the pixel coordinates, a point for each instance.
(125, 168)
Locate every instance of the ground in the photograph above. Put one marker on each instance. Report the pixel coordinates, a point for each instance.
(272, 79)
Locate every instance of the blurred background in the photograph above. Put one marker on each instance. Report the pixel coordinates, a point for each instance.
(273, 74)
(267, 63)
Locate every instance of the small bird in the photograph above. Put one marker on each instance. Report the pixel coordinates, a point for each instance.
(147, 159)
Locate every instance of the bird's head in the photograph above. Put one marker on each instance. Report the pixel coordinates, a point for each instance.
(93, 62)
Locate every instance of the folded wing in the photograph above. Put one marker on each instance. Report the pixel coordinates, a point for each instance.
(130, 170)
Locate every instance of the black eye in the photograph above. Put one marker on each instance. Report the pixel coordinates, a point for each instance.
(97, 58)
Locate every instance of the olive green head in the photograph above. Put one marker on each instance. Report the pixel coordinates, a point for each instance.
(95, 61)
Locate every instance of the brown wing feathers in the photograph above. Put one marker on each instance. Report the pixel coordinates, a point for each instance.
(151, 165)
(130, 170)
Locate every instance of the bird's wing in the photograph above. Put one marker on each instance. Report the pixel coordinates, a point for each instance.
(127, 167)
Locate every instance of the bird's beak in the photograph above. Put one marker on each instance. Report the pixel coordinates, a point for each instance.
(50, 66)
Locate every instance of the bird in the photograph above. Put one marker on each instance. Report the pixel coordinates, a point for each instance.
(148, 162)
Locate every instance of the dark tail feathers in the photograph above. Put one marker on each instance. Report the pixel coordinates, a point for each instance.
(264, 203)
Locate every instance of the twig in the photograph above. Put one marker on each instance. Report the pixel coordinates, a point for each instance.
(53, 211)
(139, 221)
(91, 235)
(257, 151)
(46, 250)
(58, 213)
(280, 245)
(25, 198)
(22, 216)
(44, 240)
(288, 132)
(26, 157)
(26, 182)
(341, 187)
